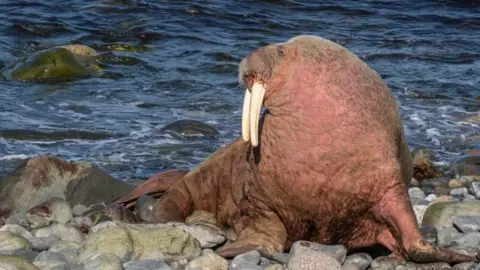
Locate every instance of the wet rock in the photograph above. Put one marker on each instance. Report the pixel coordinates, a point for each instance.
(27, 254)
(209, 261)
(465, 250)
(361, 260)
(459, 191)
(104, 261)
(79, 209)
(43, 177)
(465, 165)
(338, 252)
(416, 195)
(464, 266)
(438, 186)
(80, 50)
(429, 234)
(53, 210)
(445, 236)
(43, 243)
(470, 239)
(50, 64)
(145, 207)
(474, 189)
(312, 259)
(280, 257)
(19, 262)
(384, 263)
(49, 256)
(113, 240)
(207, 234)
(146, 265)
(120, 47)
(10, 243)
(467, 223)
(440, 215)
(68, 249)
(16, 229)
(251, 258)
(422, 164)
(65, 232)
(189, 128)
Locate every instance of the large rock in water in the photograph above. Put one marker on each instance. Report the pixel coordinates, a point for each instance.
(43, 177)
(54, 63)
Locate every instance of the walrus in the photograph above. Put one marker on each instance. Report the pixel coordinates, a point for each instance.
(327, 161)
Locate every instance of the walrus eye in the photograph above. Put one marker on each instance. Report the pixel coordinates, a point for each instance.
(281, 51)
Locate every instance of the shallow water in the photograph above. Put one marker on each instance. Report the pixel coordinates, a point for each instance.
(427, 52)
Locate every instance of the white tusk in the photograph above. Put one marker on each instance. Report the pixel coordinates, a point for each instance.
(258, 93)
(246, 116)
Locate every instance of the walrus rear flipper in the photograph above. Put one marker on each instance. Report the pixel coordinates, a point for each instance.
(403, 237)
(266, 234)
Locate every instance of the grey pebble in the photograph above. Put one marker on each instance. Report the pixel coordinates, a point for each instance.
(464, 266)
(49, 256)
(348, 266)
(459, 191)
(445, 236)
(280, 257)
(52, 265)
(474, 189)
(43, 243)
(29, 255)
(361, 260)
(146, 265)
(245, 259)
(430, 234)
(69, 249)
(416, 195)
(339, 252)
(470, 239)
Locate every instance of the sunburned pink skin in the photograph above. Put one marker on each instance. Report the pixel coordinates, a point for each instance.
(332, 165)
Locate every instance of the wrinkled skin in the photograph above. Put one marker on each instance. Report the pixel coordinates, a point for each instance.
(332, 165)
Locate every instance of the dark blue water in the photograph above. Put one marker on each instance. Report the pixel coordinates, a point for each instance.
(428, 52)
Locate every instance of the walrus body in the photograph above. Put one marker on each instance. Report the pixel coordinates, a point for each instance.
(328, 161)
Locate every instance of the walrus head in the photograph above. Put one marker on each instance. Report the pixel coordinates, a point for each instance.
(267, 70)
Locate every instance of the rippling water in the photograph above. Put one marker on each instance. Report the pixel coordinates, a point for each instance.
(428, 52)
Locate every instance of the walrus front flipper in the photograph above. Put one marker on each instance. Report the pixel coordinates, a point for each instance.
(154, 186)
(265, 234)
(403, 237)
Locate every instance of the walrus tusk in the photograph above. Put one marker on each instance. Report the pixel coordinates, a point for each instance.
(246, 116)
(251, 112)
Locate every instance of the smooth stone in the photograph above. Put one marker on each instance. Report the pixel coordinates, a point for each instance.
(43, 243)
(207, 234)
(361, 260)
(429, 234)
(201, 216)
(249, 258)
(19, 262)
(69, 249)
(209, 261)
(445, 236)
(384, 263)
(280, 257)
(419, 211)
(49, 256)
(459, 191)
(162, 241)
(455, 183)
(430, 197)
(275, 266)
(113, 240)
(27, 254)
(188, 128)
(179, 264)
(467, 223)
(465, 250)
(440, 214)
(8, 266)
(146, 265)
(349, 266)
(474, 189)
(469, 197)
(145, 207)
(65, 232)
(79, 209)
(10, 242)
(307, 259)
(47, 177)
(338, 252)
(416, 195)
(464, 266)
(52, 265)
(53, 210)
(469, 239)
(16, 229)
(104, 261)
